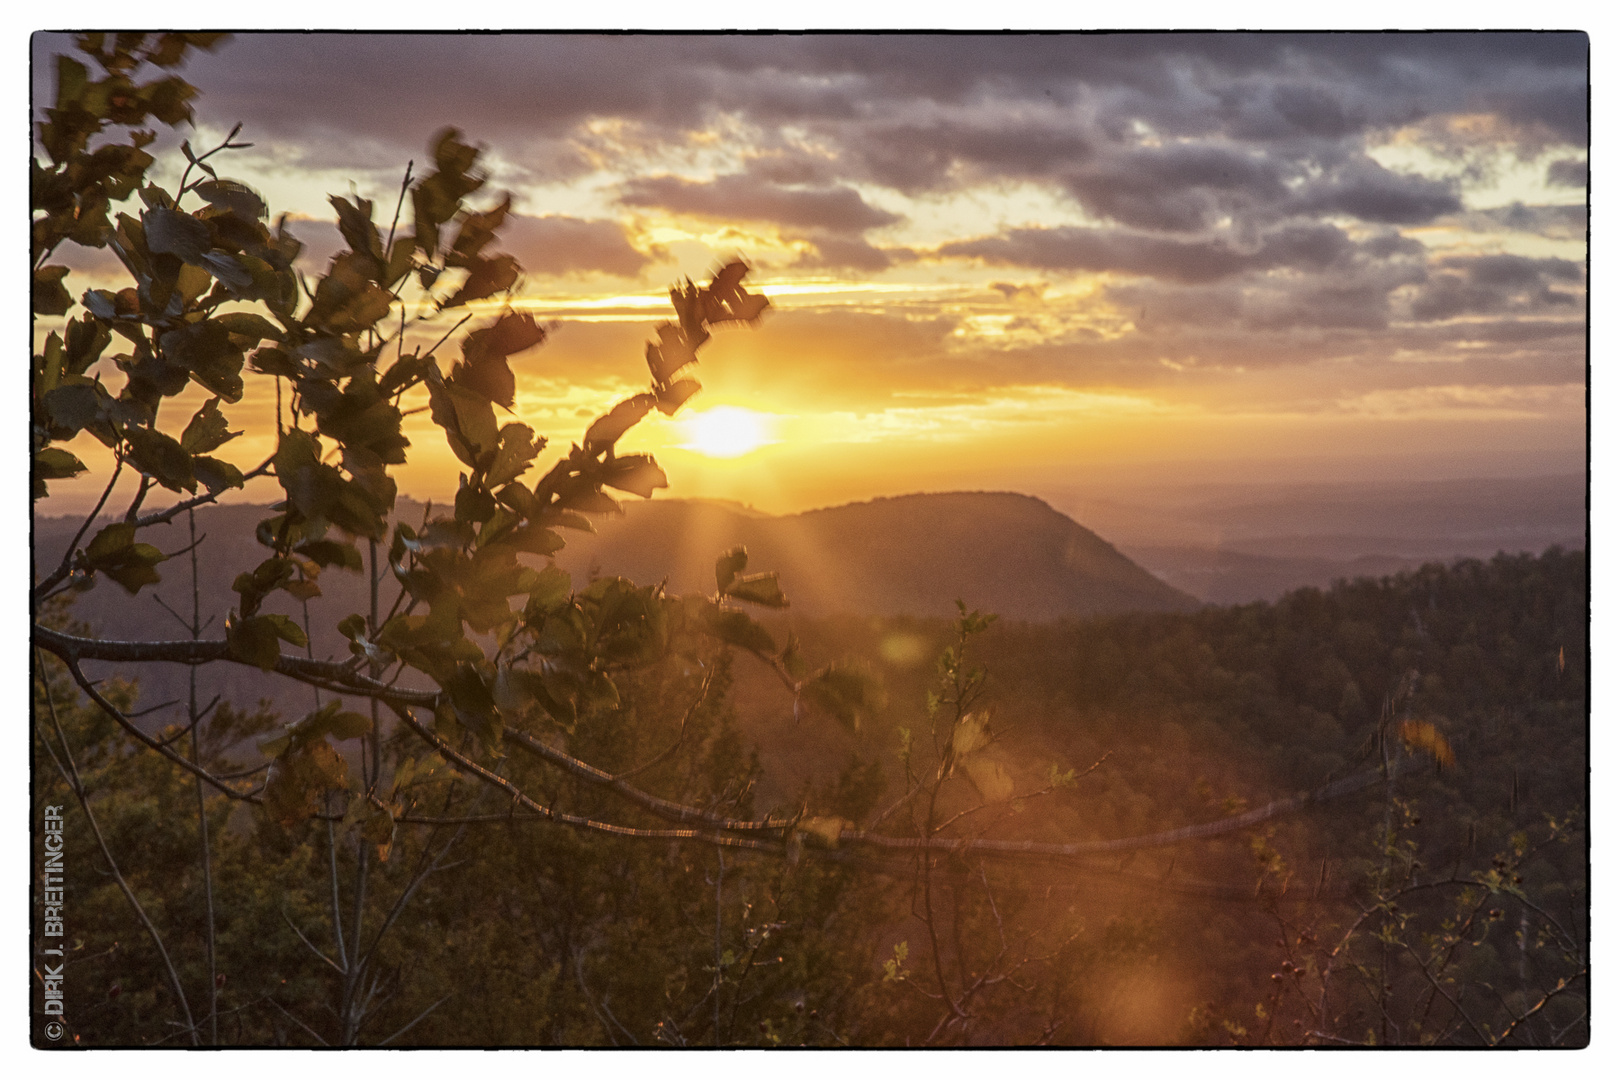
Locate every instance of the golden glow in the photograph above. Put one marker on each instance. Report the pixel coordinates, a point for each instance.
(725, 432)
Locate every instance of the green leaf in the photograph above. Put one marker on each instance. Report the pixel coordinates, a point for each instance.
(331, 553)
(518, 448)
(161, 458)
(590, 501)
(51, 297)
(468, 421)
(759, 589)
(216, 475)
(535, 539)
(549, 592)
(253, 640)
(728, 566)
(206, 350)
(474, 705)
(75, 406)
(115, 553)
(287, 630)
(349, 725)
(249, 325)
(208, 429)
(110, 542)
(54, 463)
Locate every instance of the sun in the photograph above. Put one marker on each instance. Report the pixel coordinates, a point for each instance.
(725, 432)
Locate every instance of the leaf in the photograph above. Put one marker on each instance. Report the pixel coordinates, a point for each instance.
(206, 350)
(249, 325)
(590, 501)
(972, 733)
(518, 448)
(849, 692)
(161, 458)
(759, 589)
(990, 777)
(549, 592)
(673, 396)
(54, 463)
(208, 429)
(672, 353)
(621, 418)
(378, 829)
(51, 297)
(331, 553)
(488, 277)
(216, 475)
(287, 630)
(253, 640)
(467, 418)
(736, 628)
(474, 705)
(728, 566)
(115, 553)
(476, 231)
(792, 662)
(171, 232)
(638, 474)
(349, 725)
(483, 367)
(75, 406)
(237, 198)
(354, 222)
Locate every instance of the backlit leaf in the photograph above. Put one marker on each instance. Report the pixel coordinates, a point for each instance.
(728, 566)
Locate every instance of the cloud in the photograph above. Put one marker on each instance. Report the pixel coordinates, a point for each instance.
(1497, 285)
(1302, 246)
(563, 245)
(1366, 190)
(1567, 172)
(738, 197)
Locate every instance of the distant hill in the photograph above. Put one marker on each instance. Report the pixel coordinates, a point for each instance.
(911, 555)
(914, 555)
(1237, 543)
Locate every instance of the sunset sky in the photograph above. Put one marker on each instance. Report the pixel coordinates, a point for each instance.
(996, 262)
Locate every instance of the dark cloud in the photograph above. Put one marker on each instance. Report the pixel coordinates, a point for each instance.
(853, 253)
(1568, 172)
(564, 245)
(1366, 190)
(1553, 222)
(517, 89)
(1497, 285)
(1301, 246)
(543, 245)
(740, 197)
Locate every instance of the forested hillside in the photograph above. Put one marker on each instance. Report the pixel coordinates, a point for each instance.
(1439, 904)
